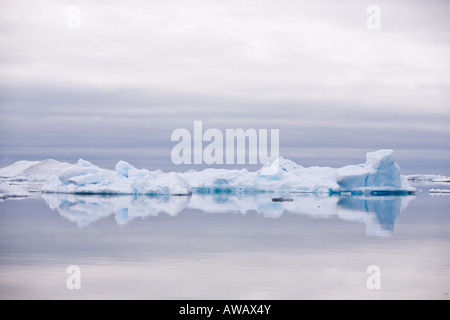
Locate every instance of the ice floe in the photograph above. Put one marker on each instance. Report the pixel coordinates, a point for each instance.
(379, 175)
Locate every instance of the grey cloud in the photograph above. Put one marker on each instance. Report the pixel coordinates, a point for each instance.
(135, 72)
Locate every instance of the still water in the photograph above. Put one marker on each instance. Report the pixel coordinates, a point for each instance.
(224, 246)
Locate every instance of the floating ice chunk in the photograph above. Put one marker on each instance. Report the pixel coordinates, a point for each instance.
(380, 173)
(441, 179)
(443, 191)
(86, 178)
(383, 171)
(427, 177)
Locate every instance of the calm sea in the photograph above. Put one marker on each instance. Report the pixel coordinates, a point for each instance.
(224, 246)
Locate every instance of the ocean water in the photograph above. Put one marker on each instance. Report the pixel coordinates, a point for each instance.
(224, 246)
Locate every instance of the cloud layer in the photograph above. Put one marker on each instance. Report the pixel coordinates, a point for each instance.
(134, 72)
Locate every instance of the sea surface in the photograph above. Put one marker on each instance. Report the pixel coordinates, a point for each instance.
(226, 246)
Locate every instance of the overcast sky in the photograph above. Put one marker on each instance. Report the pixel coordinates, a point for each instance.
(135, 71)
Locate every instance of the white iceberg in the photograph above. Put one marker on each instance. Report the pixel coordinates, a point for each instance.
(380, 175)
(380, 172)
(427, 178)
(439, 191)
(86, 178)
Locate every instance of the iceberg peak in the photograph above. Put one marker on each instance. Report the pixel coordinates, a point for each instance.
(122, 168)
(379, 171)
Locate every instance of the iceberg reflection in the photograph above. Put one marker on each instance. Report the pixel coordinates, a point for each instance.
(378, 213)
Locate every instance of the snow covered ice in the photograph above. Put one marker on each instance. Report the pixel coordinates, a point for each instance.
(86, 178)
(439, 191)
(427, 178)
(380, 173)
(84, 192)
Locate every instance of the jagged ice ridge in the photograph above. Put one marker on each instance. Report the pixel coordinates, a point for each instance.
(379, 175)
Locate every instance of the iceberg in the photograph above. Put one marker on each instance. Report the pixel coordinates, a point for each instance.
(379, 175)
(86, 178)
(439, 191)
(427, 178)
